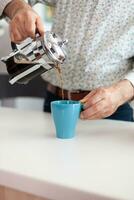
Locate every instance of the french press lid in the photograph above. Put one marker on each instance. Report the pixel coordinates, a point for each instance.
(54, 47)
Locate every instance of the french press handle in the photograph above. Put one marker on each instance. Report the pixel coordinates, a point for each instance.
(14, 46)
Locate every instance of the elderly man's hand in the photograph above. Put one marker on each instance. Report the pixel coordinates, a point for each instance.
(103, 102)
(24, 21)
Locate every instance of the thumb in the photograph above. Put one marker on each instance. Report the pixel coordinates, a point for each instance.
(40, 26)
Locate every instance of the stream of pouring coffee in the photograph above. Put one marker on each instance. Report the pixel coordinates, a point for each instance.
(60, 77)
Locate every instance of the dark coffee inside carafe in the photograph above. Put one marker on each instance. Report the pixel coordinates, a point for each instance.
(15, 69)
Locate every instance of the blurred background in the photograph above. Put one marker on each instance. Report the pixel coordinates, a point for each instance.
(30, 96)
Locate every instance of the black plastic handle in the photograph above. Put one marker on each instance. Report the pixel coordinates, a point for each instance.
(14, 46)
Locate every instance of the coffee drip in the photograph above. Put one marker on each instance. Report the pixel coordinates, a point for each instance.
(59, 74)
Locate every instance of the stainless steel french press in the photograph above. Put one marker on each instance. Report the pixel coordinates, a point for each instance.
(34, 57)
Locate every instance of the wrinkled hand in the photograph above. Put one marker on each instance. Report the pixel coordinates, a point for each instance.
(24, 21)
(104, 101)
(24, 24)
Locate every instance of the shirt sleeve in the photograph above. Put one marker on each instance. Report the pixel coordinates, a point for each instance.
(3, 4)
(51, 2)
(47, 2)
(130, 75)
(128, 47)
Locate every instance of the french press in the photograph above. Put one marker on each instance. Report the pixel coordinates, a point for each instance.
(34, 57)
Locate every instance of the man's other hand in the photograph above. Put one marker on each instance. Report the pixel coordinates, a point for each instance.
(104, 101)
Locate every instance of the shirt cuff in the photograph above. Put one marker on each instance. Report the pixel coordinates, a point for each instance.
(3, 4)
(51, 2)
(130, 77)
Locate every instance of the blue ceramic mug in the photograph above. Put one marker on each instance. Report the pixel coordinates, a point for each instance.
(65, 115)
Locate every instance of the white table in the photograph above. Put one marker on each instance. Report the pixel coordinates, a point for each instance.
(97, 164)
